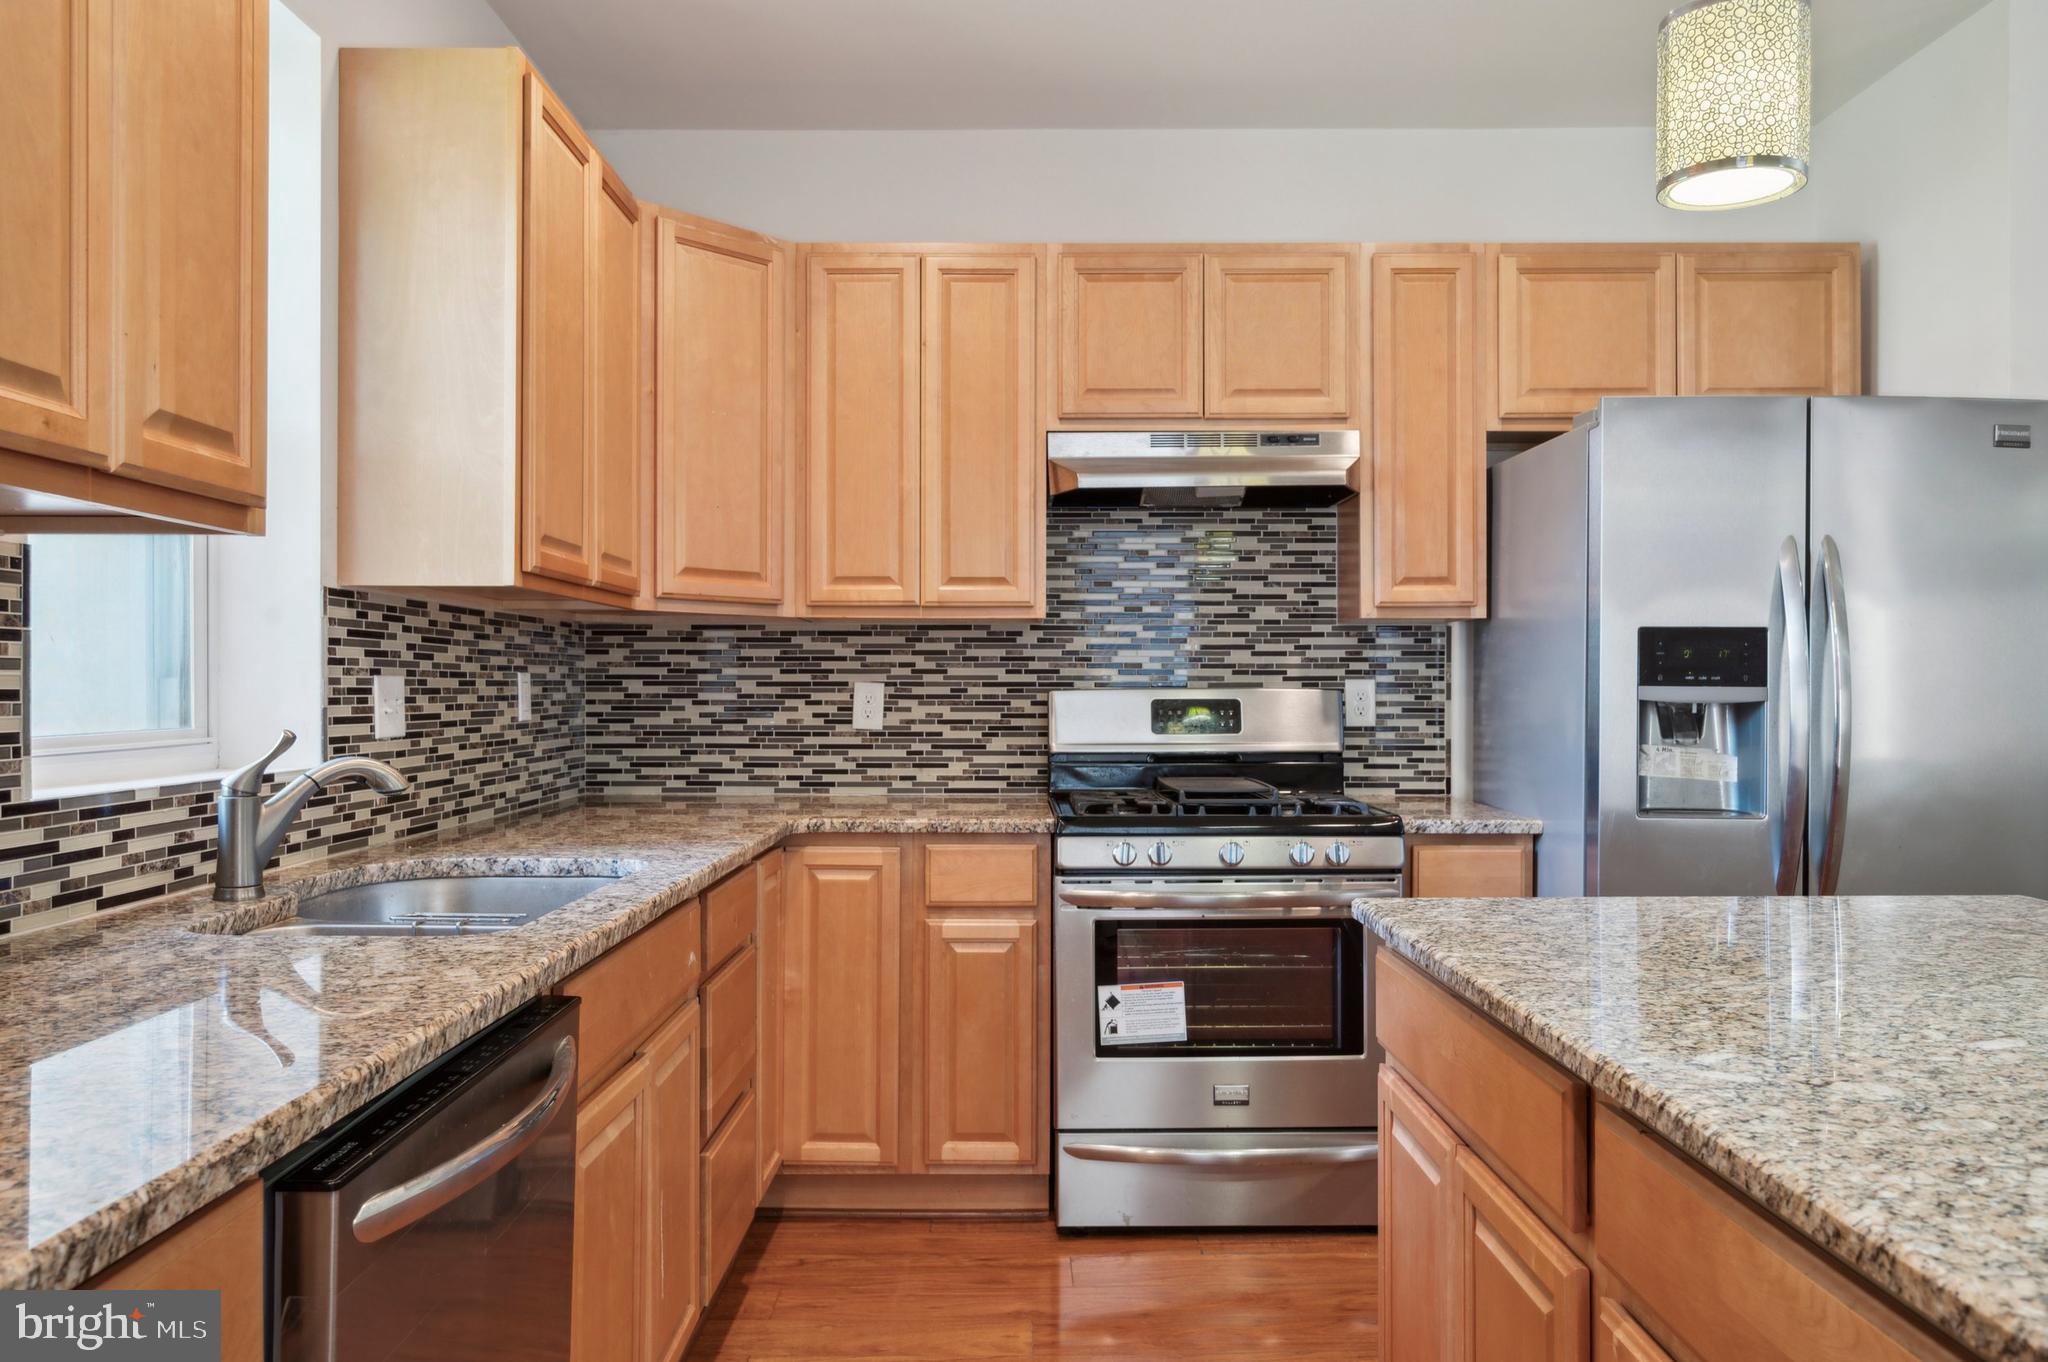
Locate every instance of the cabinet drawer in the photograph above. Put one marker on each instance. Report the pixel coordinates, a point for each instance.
(1471, 868)
(731, 1179)
(1618, 1338)
(731, 1021)
(981, 874)
(1527, 1114)
(729, 909)
(633, 988)
(1723, 1281)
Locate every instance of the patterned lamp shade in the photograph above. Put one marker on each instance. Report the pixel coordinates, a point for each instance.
(1734, 102)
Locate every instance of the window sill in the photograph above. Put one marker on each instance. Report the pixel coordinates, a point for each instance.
(143, 787)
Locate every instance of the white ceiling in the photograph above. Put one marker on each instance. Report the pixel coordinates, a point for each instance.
(1149, 63)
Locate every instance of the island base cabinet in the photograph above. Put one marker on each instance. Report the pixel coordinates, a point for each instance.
(1521, 1295)
(1417, 1213)
(1618, 1338)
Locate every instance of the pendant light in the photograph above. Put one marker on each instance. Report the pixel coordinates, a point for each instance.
(1734, 102)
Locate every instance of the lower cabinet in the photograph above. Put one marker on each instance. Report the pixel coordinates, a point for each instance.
(1618, 1338)
(1417, 1211)
(1459, 867)
(732, 1180)
(981, 1020)
(1521, 1296)
(768, 941)
(219, 1249)
(674, 1061)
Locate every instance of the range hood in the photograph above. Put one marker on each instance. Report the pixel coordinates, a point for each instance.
(1200, 468)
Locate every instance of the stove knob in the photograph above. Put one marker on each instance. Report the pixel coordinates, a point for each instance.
(1159, 853)
(1338, 854)
(1301, 853)
(1124, 853)
(1231, 853)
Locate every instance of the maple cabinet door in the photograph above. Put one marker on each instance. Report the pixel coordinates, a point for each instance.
(842, 1005)
(1521, 1296)
(607, 1315)
(983, 475)
(1130, 335)
(56, 243)
(616, 386)
(862, 324)
(1418, 1217)
(1579, 325)
(980, 1041)
(1769, 322)
(721, 470)
(191, 118)
(1279, 329)
(674, 1061)
(558, 519)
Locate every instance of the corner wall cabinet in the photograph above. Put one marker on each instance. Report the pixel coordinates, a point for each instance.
(490, 337)
(133, 255)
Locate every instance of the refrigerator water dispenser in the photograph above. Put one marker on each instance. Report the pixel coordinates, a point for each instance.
(1701, 727)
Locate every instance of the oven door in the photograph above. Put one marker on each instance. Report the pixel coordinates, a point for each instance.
(1274, 988)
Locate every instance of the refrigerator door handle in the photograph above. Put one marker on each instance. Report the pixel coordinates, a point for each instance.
(1833, 667)
(1789, 705)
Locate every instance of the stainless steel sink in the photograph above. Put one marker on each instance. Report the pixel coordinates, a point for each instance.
(455, 905)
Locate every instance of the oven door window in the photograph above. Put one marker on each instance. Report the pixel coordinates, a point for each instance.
(1276, 988)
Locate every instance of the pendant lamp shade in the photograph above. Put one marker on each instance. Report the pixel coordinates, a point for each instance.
(1734, 102)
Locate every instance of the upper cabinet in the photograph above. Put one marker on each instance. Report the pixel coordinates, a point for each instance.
(491, 352)
(1578, 323)
(132, 259)
(924, 466)
(1228, 333)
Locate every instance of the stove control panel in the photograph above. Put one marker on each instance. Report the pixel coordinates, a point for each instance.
(1198, 855)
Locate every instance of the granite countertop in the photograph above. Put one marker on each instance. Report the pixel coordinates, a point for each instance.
(146, 1067)
(1874, 1071)
(1461, 817)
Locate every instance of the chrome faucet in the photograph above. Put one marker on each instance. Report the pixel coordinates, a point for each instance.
(252, 826)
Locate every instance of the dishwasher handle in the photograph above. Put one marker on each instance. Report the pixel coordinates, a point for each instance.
(411, 1201)
(1362, 1152)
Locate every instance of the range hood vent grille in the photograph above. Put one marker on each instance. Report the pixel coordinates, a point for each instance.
(1204, 439)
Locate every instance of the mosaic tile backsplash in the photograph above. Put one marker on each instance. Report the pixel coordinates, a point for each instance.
(652, 710)
(1158, 598)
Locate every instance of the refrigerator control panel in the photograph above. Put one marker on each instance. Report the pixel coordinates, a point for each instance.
(1701, 656)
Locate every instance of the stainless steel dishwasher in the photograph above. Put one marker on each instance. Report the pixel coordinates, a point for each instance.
(436, 1224)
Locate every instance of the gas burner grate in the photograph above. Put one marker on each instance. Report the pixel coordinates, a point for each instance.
(1151, 804)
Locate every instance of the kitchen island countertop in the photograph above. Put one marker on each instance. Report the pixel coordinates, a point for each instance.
(148, 1065)
(1872, 1071)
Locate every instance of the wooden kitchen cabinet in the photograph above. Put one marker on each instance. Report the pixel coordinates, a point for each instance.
(1770, 321)
(1277, 335)
(722, 476)
(981, 1029)
(1130, 334)
(1618, 1338)
(132, 266)
(842, 1005)
(1577, 324)
(1471, 867)
(675, 1300)
(769, 935)
(1413, 542)
(491, 339)
(1418, 1213)
(1521, 1295)
(732, 1001)
(217, 1249)
(608, 1320)
(731, 1190)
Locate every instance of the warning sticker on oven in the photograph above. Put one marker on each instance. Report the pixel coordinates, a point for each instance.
(1141, 1014)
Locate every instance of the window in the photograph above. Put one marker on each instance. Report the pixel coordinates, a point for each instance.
(119, 661)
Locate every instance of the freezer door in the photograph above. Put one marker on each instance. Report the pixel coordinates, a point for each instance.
(1692, 500)
(1932, 653)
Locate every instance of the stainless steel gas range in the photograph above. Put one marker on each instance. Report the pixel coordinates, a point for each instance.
(1214, 1056)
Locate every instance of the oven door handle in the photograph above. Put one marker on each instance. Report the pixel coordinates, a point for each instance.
(1250, 901)
(1363, 1152)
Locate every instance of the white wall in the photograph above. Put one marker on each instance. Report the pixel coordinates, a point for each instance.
(2027, 159)
(1581, 184)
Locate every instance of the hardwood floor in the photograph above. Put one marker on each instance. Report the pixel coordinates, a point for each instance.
(937, 1291)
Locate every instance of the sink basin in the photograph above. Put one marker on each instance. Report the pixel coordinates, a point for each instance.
(455, 905)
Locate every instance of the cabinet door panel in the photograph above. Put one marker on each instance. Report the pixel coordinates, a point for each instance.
(1756, 322)
(557, 514)
(1130, 335)
(673, 1061)
(721, 469)
(980, 1041)
(1618, 1338)
(1471, 867)
(616, 386)
(191, 127)
(1418, 1217)
(1521, 1295)
(1428, 457)
(1278, 335)
(770, 936)
(606, 1320)
(842, 1005)
(731, 1177)
(861, 544)
(1577, 326)
(732, 1003)
(983, 489)
(56, 270)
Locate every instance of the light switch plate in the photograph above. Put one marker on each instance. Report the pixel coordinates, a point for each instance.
(867, 705)
(1361, 702)
(387, 705)
(525, 687)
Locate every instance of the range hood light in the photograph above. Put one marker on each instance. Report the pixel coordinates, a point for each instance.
(1734, 102)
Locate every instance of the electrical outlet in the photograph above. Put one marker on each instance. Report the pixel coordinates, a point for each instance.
(387, 705)
(867, 705)
(1361, 703)
(524, 681)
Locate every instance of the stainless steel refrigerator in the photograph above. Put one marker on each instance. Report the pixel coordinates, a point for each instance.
(1754, 645)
